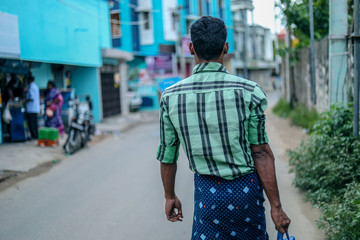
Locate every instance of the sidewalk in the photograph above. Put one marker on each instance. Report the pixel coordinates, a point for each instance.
(22, 157)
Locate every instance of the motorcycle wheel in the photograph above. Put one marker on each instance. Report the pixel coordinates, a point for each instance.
(73, 143)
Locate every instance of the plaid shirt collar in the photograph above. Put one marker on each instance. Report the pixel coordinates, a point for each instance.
(209, 67)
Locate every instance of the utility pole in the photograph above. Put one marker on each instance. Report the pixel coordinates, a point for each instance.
(356, 36)
(290, 65)
(246, 45)
(312, 53)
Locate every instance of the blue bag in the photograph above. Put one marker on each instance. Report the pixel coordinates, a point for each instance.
(280, 236)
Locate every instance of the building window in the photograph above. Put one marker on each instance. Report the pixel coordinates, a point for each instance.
(115, 25)
(146, 19)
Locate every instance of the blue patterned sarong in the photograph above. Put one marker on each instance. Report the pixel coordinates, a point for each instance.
(229, 209)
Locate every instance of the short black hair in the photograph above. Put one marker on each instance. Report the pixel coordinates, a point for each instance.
(52, 83)
(208, 35)
(30, 78)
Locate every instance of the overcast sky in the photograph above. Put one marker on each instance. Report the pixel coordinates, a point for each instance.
(264, 14)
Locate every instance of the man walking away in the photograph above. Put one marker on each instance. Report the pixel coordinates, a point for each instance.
(32, 107)
(219, 120)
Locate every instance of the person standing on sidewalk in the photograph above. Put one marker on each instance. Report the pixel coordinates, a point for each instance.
(219, 120)
(32, 106)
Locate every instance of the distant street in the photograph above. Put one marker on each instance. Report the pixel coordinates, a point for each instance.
(113, 191)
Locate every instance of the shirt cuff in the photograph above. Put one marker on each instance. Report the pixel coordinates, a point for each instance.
(168, 154)
(258, 137)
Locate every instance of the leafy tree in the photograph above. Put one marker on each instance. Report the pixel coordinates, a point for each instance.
(295, 16)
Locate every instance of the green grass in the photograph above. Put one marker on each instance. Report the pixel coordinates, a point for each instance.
(300, 115)
(282, 108)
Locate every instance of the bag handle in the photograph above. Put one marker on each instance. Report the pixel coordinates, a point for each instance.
(280, 236)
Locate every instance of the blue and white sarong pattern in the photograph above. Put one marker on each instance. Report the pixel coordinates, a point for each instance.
(229, 209)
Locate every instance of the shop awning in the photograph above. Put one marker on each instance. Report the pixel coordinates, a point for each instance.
(116, 54)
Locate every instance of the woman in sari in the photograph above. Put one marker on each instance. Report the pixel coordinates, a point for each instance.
(54, 102)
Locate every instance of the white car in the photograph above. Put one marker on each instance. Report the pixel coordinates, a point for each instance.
(134, 101)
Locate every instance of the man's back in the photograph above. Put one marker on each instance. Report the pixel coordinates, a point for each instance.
(215, 116)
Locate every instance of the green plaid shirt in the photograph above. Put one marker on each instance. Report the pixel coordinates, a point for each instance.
(215, 116)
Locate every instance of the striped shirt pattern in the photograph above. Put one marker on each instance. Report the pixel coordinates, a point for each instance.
(215, 116)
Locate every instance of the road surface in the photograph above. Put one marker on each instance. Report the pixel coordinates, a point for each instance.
(113, 191)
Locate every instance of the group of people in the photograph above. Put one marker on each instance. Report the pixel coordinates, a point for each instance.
(53, 103)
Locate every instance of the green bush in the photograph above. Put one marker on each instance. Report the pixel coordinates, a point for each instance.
(327, 166)
(303, 117)
(341, 219)
(300, 115)
(282, 108)
(324, 165)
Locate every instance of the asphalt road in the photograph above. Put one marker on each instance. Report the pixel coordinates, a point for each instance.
(113, 191)
(109, 191)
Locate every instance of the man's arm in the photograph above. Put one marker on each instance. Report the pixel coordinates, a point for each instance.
(264, 162)
(168, 173)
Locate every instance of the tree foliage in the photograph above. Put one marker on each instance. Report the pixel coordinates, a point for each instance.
(295, 16)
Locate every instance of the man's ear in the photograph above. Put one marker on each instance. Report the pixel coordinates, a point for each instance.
(226, 48)
(191, 48)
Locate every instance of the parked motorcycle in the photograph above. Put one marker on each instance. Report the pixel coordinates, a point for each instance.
(81, 128)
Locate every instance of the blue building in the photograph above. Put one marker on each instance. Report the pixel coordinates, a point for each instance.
(68, 41)
(157, 32)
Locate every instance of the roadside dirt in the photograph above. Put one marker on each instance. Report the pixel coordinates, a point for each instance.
(285, 135)
(282, 137)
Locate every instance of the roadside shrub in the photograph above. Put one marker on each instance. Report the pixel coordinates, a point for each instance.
(341, 219)
(324, 165)
(282, 108)
(300, 115)
(336, 122)
(303, 117)
(327, 167)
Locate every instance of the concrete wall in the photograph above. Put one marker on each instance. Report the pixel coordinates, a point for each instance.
(66, 32)
(302, 76)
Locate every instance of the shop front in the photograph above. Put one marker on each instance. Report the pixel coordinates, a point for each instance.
(13, 78)
(71, 81)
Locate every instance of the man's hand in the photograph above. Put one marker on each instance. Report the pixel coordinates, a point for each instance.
(280, 219)
(170, 205)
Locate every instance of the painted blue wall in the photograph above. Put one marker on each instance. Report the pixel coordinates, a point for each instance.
(126, 27)
(42, 74)
(194, 8)
(158, 25)
(229, 23)
(86, 81)
(66, 31)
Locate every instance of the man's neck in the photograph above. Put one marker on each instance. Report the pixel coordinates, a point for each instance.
(208, 61)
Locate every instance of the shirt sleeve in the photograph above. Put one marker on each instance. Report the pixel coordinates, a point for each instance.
(168, 150)
(258, 105)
